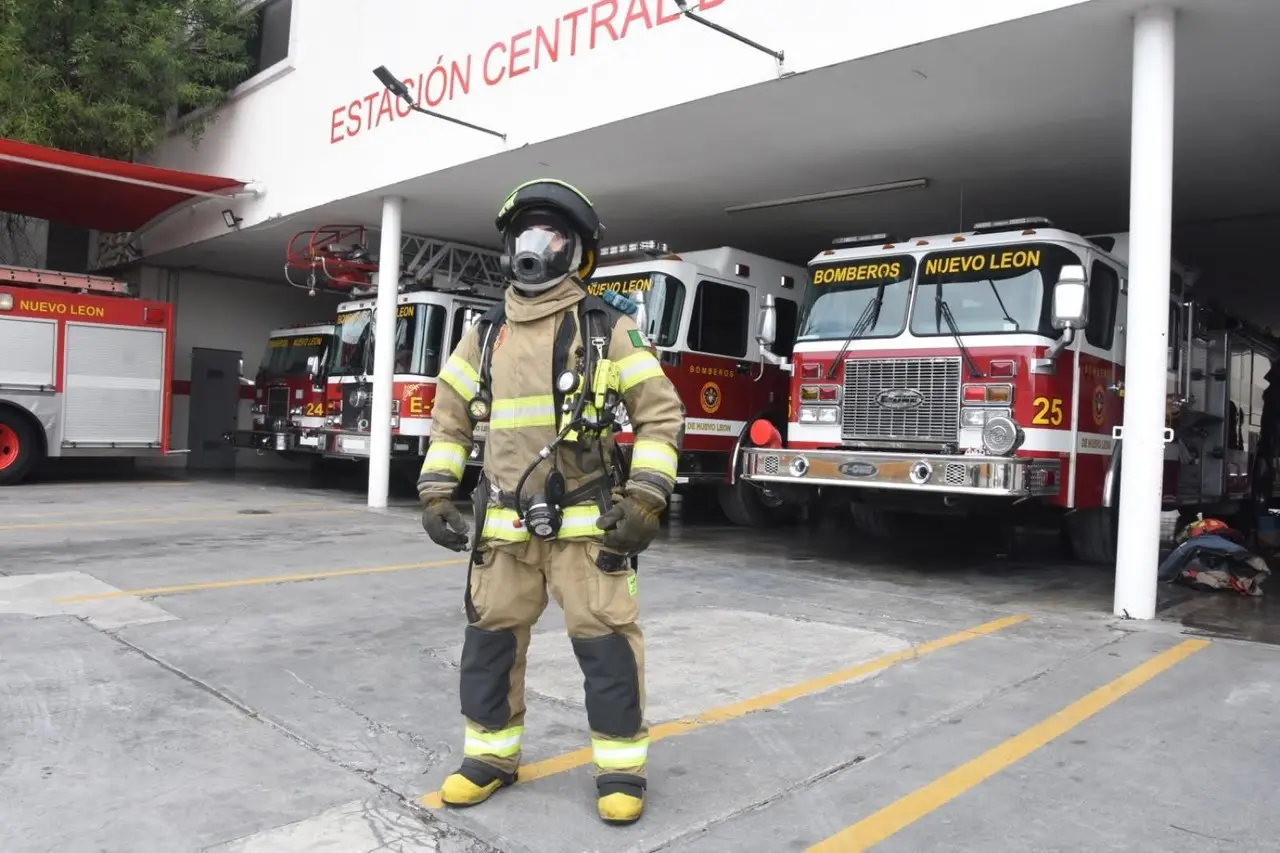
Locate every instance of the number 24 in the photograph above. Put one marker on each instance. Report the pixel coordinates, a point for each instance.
(1047, 411)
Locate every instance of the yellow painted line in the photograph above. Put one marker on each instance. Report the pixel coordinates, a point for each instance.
(902, 813)
(88, 510)
(172, 519)
(580, 757)
(273, 579)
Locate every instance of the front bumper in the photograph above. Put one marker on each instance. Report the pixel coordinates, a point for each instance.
(355, 445)
(290, 440)
(957, 475)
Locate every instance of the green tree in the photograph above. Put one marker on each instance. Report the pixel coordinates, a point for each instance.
(104, 76)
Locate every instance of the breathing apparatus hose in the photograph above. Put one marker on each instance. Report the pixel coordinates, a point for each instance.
(575, 421)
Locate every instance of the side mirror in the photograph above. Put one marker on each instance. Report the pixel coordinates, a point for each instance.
(313, 366)
(768, 322)
(1070, 298)
(642, 312)
(240, 371)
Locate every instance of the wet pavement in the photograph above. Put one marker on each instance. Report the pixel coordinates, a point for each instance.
(257, 665)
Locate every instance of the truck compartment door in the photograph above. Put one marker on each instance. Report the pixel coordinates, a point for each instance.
(28, 353)
(114, 386)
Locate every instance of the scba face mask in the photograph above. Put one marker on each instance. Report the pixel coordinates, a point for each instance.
(541, 255)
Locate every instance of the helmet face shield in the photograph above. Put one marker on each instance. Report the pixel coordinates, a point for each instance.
(541, 252)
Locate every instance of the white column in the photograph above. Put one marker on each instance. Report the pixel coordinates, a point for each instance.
(384, 352)
(1150, 215)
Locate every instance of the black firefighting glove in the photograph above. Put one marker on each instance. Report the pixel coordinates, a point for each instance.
(444, 524)
(632, 522)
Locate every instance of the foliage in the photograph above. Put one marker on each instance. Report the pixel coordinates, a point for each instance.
(103, 76)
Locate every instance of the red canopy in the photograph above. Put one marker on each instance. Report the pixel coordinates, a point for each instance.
(95, 192)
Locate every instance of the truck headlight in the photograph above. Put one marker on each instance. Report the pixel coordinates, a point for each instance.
(1001, 436)
(295, 412)
(819, 414)
(976, 417)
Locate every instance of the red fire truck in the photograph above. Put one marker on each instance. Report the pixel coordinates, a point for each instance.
(699, 312)
(983, 373)
(85, 369)
(444, 287)
(289, 392)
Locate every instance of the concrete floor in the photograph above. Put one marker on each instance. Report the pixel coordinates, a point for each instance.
(250, 666)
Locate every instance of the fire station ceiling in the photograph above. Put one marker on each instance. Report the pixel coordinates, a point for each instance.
(1025, 118)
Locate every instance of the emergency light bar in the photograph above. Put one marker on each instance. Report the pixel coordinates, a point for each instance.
(622, 252)
(643, 247)
(862, 240)
(1007, 224)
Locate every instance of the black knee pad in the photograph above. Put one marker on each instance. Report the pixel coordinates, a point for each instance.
(487, 658)
(612, 684)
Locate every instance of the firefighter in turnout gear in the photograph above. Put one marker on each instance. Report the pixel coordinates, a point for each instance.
(548, 368)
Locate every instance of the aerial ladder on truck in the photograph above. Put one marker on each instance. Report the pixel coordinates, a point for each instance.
(443, 289)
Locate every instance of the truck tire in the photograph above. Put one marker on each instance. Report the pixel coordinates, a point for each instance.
(875, 521)
(747, 506)
(1093, 534)
(19, 447)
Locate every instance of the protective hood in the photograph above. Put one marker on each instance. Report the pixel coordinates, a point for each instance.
(524, 308)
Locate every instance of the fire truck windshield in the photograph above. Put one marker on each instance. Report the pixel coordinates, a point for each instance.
(992, 290)
(664, 300)
(868, 294)
(354, 329)
(288, 356)
(418, 348)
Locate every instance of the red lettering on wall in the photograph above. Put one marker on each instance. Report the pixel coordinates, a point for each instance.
(637, 11)
(516, 51)
(572, 18)
(551, 46)
(449, 79)
(335, 127)
(385, 108)
(601, 21)
(666, 17)
(493, 80)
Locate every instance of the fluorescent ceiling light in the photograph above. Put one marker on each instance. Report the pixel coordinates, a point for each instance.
(830, 196)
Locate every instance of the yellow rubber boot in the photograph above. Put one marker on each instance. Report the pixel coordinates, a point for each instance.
(621, 798)
(473, 783)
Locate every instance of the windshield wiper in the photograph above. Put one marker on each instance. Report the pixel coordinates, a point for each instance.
(944, 311)
(870, 316)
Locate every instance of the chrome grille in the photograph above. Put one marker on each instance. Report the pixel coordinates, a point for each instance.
(278, 402)
(868, 386)
(769, 465)
(957, 474)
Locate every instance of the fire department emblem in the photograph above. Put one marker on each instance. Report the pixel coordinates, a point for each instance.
(710, 398)
(1099, 406)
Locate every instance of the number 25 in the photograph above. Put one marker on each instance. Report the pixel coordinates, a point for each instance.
(1047, 411)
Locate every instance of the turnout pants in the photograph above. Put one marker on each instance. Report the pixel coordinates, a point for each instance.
(509, 592)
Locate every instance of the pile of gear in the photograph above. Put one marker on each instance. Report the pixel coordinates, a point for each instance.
(1212, 555)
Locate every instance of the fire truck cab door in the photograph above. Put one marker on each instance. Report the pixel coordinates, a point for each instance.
(717, 374)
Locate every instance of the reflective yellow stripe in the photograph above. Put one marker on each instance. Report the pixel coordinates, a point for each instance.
(500, 523)
(520, 412)
(461, 376)
(504, 743)
(636, 368)
(619, 754)
(445, 457)
(579, 521)
(655, 456)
